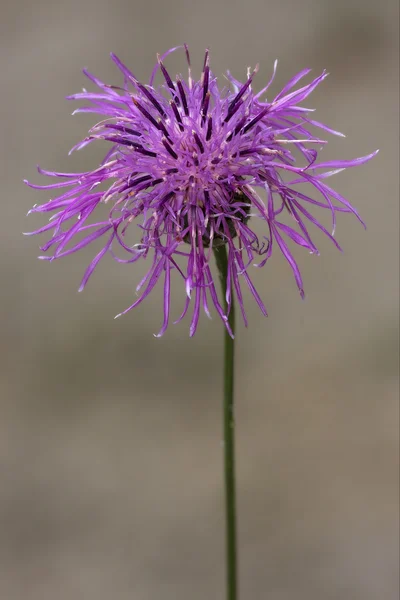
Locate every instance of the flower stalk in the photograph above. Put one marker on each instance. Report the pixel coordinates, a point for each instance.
(229, 430)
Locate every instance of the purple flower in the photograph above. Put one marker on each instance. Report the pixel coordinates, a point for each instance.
(190, 165)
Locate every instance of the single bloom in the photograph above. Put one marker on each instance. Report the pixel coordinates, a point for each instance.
(190, 167)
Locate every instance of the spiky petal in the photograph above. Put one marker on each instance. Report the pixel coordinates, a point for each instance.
(189, 164)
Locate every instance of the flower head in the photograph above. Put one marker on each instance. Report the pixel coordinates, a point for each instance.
(190, 165)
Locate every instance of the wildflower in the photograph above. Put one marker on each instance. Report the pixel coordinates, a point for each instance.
(189, 163)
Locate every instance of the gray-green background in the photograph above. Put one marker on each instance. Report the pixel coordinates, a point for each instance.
(110, 455)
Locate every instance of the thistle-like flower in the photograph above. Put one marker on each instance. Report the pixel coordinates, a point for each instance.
(191, 164)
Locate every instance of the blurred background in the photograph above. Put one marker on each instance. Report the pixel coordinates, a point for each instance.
(110, 439)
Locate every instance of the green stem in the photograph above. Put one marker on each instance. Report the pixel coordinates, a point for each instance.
(229, 433)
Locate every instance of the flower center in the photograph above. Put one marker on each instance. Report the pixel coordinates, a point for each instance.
(221, 236)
